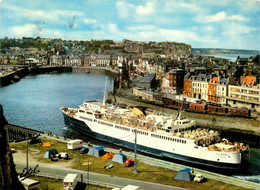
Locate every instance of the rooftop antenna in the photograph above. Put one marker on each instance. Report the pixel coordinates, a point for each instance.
(105, 93)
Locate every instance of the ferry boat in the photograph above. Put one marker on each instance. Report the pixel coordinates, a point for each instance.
(157, 134)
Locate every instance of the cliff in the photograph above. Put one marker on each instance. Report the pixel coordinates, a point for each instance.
(8, 175)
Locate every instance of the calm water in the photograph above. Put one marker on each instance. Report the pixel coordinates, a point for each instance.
(231, 57)
(35, 101)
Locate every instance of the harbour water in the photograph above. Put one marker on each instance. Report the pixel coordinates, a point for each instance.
(35, 102)
(230, 57)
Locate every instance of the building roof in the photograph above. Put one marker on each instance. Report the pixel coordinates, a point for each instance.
(223, 81)
(176, 70)
(202, 77)
(249, 80)
(214, 80)
(187, 76)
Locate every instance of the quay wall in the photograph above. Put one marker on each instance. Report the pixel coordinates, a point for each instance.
(16, 75)
(95, 70)
(6, 79)
(233, 128)
(20, 73)
(13, 76)
(48, 69)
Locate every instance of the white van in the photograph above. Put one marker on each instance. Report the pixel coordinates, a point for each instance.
(75, 144)
(70, 181)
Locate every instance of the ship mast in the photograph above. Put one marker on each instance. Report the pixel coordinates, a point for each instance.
(105, 93)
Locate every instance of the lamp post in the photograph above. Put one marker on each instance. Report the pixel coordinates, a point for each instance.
(88, 176)
(27, 159)
(135, 166)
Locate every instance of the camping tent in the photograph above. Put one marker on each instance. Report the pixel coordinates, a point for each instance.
(50, 152)
(97, 151)
(119, 158)
(108, 155)
(108, 166)
(184, 175)
(47, 144)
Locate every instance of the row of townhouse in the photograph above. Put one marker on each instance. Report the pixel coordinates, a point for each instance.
(137, 65)
(66, 60)
(88, 60)
(223, 90)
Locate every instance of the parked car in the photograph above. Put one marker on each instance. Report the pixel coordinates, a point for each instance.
(129, 163)
(62, 155)
(35, 140)
(199, 178)
(84, 150)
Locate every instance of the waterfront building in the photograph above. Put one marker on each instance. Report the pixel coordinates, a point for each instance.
(212, 89)
(172, 83)
(57, 60)
(187, 87)
(160, 70)
(86, 60)
(92, 60)
(72, 60)
(102, 60)
(222, 90)
(147, 82)
(146, 94)
(245, 95)
(200, 86)
(176, 77)
(165, 86)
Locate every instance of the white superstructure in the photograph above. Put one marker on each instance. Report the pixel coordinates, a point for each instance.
(156, 134)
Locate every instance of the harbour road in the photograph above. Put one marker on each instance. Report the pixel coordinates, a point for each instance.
(52, 170)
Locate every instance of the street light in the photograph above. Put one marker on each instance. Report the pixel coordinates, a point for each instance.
(135, 166)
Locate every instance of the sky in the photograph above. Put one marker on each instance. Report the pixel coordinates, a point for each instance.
(231, 24)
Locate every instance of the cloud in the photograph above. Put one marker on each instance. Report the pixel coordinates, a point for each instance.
(132, 12)
(54, 15)
(219, 17)
(237, 17)
(141, 27)
(237, 29)
(148, 9)
(89, 21)
(250, 6)
(25, 30)
(33, 30)
(124, 8)
(213, 18)
(171, 6)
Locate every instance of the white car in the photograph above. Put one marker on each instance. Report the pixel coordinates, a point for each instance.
(199, 178)
(62, 155)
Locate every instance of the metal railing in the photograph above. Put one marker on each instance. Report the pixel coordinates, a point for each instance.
(92, 182)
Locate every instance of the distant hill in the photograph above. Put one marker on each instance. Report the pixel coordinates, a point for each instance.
(209, 51)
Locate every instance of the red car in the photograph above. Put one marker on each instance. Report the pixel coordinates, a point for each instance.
(129, 163)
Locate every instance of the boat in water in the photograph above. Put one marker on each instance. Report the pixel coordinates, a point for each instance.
(157, 134)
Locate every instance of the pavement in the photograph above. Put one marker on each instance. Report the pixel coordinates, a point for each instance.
(61, 171)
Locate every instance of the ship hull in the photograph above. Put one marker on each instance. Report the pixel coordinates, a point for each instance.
(82, 127)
